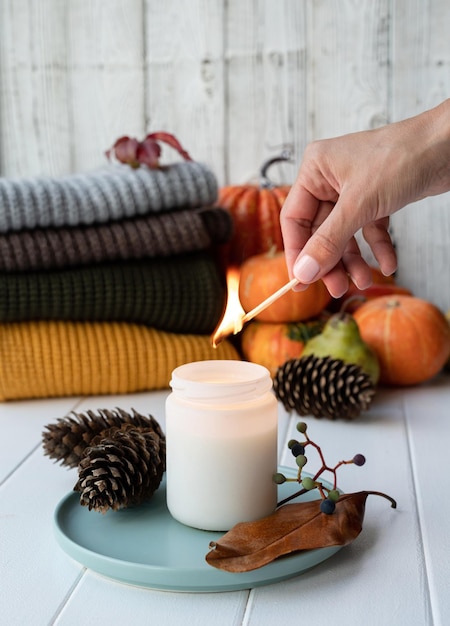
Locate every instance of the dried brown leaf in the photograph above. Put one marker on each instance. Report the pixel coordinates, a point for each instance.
(293, 527)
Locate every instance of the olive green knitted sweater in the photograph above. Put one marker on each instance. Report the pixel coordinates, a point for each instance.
(183, 294)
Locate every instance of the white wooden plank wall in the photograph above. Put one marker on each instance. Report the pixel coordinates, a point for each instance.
(235, 81)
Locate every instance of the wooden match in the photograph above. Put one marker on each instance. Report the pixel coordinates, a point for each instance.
(236, 326)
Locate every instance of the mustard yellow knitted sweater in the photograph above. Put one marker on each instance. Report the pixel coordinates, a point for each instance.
(52, 358)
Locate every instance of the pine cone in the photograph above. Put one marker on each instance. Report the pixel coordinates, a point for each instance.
(123, 467)
(323, 387)
(66, 440)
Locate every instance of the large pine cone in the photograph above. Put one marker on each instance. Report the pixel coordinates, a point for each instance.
(122, 468)
(323, 387)
(66, 439)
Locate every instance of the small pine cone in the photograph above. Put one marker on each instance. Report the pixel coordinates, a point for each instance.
(123, 468)
(66, 439)
(323, 387)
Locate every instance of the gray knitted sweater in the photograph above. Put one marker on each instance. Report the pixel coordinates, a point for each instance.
(110, 193)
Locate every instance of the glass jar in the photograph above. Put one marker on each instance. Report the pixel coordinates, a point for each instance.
(221, 437)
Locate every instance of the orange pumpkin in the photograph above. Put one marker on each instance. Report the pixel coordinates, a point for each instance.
(379, 278)
(381, 286)
(355, 298)
(255, 210)
(271, 344)
(262, 275)
(447, 363)
(410, 336)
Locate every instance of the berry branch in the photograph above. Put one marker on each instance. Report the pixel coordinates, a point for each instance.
(329, 496)
(299, 526)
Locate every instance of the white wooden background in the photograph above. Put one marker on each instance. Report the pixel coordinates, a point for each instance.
(234, 80)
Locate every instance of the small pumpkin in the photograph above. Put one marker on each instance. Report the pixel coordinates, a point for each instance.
(379, 278)
(355, 298)
(272, 344)
(410, 336)
(447, 363)
(262, 275)
(255, 210)
(381, 286)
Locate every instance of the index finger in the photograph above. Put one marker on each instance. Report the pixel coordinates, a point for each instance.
(296, 219)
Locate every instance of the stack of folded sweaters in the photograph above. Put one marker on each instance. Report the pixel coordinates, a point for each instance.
(108, 279)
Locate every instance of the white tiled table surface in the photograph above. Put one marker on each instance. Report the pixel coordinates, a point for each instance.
(396, 572)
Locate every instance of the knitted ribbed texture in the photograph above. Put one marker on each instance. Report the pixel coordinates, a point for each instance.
(183, 293)
(49, 359)
(110, 193)
(163, 235)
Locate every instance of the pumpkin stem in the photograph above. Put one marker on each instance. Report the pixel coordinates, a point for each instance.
(350, 300)
(265, 181)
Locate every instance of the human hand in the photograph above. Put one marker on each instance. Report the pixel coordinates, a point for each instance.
(356, 182)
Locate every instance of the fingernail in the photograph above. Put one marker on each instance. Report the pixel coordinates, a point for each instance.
(306, 269)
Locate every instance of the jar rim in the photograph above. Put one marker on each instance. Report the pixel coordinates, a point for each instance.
(220, 379)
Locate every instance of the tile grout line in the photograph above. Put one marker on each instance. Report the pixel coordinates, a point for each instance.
(22, 461)
(248, 607)
(67, 597)
(248, 610)
(33, 450)
(417, 512)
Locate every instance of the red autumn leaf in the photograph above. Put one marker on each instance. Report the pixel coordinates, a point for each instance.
(146, 152)
(125, 150)
(149, 152)
(171, 141)
(293, 527)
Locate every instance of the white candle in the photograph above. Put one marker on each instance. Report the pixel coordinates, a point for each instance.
(221, 437)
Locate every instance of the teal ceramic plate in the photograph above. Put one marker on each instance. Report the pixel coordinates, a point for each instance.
(145, 546)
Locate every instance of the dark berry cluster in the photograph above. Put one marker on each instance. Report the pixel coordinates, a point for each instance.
(329, 496)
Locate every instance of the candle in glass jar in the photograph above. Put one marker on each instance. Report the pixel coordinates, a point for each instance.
(221, 437)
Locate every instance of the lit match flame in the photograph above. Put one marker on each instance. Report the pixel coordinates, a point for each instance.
(235, 317)
(232, 320)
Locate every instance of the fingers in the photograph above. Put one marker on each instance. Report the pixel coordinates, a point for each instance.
(330, 241)
(297, 216)
(356, 266)
(336, 281)
(377, 236)
(352, 267)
